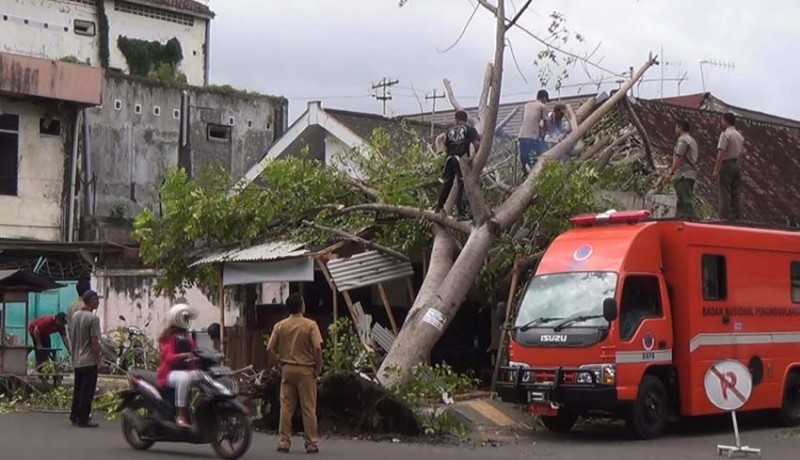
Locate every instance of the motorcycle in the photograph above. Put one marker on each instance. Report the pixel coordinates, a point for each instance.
(217, 416)
(127, 347)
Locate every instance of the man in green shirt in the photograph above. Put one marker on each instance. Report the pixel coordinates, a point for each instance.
(684, 169)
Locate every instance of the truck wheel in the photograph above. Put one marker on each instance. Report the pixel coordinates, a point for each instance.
(561, 422)
(647, 418)
(789, 414)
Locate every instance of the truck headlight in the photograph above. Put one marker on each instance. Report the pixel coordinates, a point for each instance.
(525, 377)
(604, 374)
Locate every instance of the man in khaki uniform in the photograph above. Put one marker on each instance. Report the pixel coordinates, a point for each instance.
(684, 169)
(726, 169)
(297, 345)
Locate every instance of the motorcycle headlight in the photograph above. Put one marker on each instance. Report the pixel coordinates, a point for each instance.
(604, 374)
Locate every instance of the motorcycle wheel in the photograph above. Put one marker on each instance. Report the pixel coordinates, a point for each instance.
(233, 434)
(131, 426)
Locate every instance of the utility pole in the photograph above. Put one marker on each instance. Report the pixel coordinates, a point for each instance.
(433, 97)
(385, 95)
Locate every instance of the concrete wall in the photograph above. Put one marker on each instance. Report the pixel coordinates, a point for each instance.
(131, 152)
(45, 29)
(36, 211)
(131, 25)
(130, 293)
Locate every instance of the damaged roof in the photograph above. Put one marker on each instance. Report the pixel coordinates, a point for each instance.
(770, 165)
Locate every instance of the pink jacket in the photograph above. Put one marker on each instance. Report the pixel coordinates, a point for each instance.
(170, 359)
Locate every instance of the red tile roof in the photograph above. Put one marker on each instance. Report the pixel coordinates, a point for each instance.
(769, 171)
(694, 101)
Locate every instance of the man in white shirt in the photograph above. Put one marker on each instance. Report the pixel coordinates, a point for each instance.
(533, 130)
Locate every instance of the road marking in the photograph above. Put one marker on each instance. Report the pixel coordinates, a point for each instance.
(489, 412)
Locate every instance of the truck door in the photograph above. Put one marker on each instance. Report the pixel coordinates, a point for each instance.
(645, 332)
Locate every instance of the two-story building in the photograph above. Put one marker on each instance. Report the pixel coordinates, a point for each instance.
(98, 100)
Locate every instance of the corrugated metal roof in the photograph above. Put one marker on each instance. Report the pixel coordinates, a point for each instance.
(366, 269)
(272, 250)
(24, 281)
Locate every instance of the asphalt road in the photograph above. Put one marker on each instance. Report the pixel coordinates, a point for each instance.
(39, 436)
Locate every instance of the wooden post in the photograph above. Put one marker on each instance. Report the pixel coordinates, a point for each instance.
(412, 295)
(388, 307)
(504, 332)
(222, 346)
(332, 285)
(349, 301)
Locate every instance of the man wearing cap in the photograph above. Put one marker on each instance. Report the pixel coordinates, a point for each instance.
(533, 130)
(87, 359)
(41, 329)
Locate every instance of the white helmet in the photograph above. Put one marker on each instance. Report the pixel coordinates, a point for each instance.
(180, 316)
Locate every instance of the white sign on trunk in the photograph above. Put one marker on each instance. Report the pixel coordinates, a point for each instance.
(435, 318)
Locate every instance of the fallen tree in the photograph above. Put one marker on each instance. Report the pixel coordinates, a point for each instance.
(389, 196)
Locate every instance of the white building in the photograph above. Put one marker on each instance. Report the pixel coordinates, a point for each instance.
(59, 29)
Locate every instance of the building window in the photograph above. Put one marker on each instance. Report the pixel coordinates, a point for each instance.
(231, 121)
(137, 109)
(9, 153)
(117, 105)
(715, 277)
(86, 28)
(795, 277)
(50, 127)
(156, 110)
(154, 13)
(219, 133)
(250, 124)
(176, 114)
(85, 2)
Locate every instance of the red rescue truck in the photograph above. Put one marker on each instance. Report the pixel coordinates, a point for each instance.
(625, 315)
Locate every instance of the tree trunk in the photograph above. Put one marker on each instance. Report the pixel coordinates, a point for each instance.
(429, 316)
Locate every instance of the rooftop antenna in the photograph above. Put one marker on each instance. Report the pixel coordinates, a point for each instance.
(714, 63)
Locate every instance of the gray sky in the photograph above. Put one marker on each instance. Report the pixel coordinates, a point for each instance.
(334, 50)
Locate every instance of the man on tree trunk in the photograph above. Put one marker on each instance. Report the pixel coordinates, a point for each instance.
(456, 140)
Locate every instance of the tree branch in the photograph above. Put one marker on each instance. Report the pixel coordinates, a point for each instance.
(648, 150)
(494, 98)
(411, 213)
(506, 120)
(451, 96)
(519, 14)
(483, 102)
(361, 186)
(472, 186)
(357, 239)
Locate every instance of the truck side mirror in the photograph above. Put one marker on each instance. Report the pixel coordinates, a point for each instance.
(610, 309)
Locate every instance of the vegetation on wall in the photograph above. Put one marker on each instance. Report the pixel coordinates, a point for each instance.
(102, 21)
(153, 59)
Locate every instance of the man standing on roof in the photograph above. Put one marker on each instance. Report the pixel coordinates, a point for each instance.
(41, 329)
(533, 130)
(456, 141)
(684, 169)
(726, 169)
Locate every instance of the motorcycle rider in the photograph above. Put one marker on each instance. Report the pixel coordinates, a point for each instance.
(177, 369)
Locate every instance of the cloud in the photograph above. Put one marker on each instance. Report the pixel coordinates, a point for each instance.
(335, 49)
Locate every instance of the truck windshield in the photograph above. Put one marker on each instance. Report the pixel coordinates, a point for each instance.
(559, 296)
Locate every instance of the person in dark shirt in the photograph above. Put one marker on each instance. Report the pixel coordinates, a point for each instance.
(41, 329)
(457, 141)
